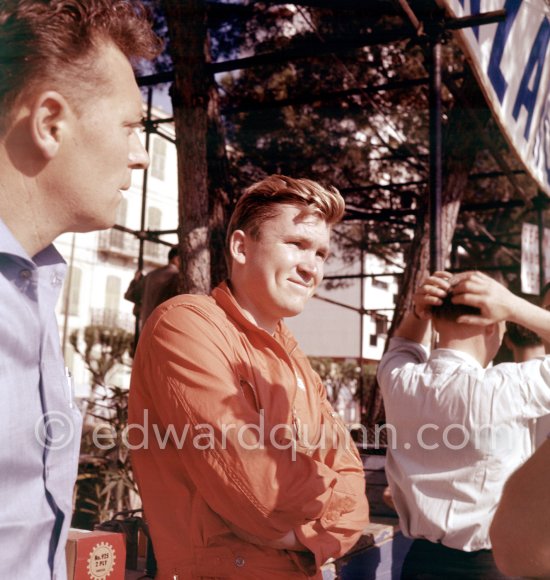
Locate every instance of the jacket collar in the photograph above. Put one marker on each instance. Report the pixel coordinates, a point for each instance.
(225, 299)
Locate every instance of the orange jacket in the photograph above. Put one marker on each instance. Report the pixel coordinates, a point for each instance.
(232, 436)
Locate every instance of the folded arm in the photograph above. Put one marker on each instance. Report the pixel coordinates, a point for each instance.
(265, 490)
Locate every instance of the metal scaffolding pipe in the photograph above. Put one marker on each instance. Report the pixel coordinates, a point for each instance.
(436, 152)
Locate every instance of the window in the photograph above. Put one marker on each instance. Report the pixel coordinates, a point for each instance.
(71, 291)
(112, 293)
(381, 323)
(380, 284)
(373, 340)
(68, 356)
(158, 158)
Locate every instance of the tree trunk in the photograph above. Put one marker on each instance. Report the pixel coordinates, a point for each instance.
(203, 169)
(219, 188)
(461, 142)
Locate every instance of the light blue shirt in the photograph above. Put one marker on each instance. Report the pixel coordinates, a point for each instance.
(39, 425)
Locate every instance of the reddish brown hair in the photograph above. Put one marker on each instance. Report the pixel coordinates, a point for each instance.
(55, 40)
(260, 203)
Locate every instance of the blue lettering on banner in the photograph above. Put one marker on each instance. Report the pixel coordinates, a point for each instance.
(475, 8)
(517, 76)
(503, 30)
(528, 97)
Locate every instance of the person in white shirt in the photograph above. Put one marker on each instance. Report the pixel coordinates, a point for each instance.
(458, 428)
(525, 345)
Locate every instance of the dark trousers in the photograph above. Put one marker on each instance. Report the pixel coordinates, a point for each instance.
(430, 561)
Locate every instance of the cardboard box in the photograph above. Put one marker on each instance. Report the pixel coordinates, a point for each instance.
(95, 555)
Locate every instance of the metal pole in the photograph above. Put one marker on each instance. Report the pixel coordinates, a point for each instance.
(144, 201)
(145, 176)
(361, 339)
(436, 151)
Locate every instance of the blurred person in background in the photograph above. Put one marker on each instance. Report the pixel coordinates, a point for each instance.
(522, 342)
(524, 345)
(150, 290)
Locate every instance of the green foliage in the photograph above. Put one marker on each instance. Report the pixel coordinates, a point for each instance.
(102, 348)
(315, 113)
(105, 483)
(345, 378)
(317, 116)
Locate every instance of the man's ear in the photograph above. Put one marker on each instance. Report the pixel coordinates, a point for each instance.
(491, 329)
(49, 117)
(237, 246)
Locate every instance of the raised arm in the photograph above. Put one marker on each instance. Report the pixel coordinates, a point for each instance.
(415, 324)
(497, 303)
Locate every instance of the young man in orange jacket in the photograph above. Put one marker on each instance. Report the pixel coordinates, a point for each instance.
(244, 468)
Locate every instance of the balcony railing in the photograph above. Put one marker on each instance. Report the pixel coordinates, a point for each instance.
(119, 243)
(126, 245)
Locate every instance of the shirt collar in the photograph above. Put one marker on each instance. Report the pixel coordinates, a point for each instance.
(448, 354)
(9, 244)
(49, 256)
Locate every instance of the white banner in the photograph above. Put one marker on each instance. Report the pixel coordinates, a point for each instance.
(530, 264)
(511, 60)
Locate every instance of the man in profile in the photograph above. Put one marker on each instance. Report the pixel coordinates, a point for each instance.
(70, 108)
(244, 468)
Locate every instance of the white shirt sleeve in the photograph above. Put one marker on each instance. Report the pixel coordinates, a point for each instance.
(401, 352)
